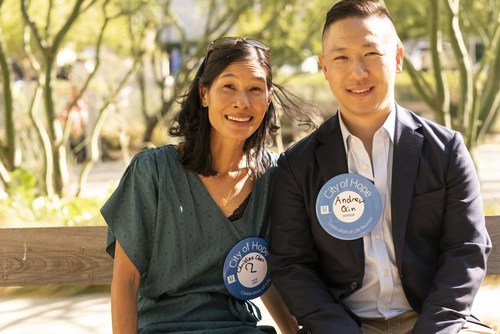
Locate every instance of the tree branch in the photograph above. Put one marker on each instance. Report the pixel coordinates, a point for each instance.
(464, 66)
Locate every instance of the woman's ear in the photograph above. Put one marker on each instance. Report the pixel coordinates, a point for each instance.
(271, 92)
(203, 95)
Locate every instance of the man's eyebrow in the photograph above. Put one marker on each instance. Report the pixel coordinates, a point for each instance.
(366, 45)
(337, 49)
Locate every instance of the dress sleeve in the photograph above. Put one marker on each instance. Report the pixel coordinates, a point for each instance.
(131, 210)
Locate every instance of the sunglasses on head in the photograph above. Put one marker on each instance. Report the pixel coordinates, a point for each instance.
(225, 42)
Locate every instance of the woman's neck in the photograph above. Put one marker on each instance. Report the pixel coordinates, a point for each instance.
(227, 156)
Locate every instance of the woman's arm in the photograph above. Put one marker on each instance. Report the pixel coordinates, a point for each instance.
(124, 288)
(275, 306)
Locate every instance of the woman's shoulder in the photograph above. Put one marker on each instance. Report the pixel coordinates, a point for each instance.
(155, 158)
(155, 154)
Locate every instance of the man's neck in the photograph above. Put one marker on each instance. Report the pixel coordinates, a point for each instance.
(364, 127)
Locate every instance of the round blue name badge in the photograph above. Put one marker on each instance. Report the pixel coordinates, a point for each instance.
(348, 206)
(245, 269)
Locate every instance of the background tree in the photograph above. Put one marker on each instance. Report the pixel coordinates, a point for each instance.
(466, 25)
(8, 147)
(135, 15)
(44, 36)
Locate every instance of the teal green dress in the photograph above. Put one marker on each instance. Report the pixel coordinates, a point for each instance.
(178, 238)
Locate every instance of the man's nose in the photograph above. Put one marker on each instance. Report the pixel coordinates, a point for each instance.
(359, 69)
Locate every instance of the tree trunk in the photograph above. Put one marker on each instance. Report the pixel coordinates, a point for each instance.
(7, 149)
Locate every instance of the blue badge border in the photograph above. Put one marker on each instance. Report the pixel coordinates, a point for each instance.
(236, 288)
(354, 230)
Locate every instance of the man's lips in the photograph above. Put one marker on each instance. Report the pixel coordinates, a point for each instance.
(361, 91)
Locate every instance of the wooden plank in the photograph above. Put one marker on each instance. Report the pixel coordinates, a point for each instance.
(54, 256)
(493, 227)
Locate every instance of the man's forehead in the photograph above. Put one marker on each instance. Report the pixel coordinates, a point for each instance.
(370, 31)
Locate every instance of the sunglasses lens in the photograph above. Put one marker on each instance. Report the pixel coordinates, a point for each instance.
(224, 41)
(257, 44)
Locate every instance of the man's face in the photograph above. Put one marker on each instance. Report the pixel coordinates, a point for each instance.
(360, 61)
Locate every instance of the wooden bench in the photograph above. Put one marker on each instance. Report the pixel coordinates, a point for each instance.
(76, 255)
(54, 256)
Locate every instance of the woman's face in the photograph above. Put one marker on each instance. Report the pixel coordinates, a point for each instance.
(237, 101)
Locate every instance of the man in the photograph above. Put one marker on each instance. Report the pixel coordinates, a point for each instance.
(377, 217)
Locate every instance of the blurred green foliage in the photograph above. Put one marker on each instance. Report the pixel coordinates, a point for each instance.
(22, 206)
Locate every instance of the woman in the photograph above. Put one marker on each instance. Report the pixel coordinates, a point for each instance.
(178, 211)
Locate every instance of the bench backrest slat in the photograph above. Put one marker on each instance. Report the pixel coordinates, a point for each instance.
(54, 256)
(76, 255)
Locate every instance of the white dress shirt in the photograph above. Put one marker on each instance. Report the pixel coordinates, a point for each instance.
(381, 294)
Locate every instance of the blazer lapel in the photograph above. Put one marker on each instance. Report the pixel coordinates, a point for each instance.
(407, 147)
(332, 161)
(330, 156)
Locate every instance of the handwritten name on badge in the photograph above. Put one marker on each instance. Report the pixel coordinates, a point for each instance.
(245, 269)
(348, 206)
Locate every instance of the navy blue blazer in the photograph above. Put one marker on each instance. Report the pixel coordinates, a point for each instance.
(438, 227)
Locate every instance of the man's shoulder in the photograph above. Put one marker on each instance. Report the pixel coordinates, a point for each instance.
(430, 129)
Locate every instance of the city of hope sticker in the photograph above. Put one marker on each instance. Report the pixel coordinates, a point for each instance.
(245, 269)
(348, 206)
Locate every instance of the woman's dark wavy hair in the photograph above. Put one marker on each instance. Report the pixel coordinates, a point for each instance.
(193, 124)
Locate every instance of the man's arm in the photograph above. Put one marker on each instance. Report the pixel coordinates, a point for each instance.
(464, 244)
(294, 259)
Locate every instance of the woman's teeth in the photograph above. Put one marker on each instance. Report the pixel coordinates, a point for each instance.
(238, 119)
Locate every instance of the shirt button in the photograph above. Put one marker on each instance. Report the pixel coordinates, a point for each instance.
(365, 167)
(354, 285)
(353, 140)
(385, 273)
(377, 236)
(384, 307)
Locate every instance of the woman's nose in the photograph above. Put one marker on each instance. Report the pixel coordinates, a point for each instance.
(242, 101)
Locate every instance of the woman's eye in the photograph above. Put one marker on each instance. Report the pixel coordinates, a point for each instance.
(229, 86)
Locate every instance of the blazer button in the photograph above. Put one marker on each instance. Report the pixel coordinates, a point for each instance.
(354, 285)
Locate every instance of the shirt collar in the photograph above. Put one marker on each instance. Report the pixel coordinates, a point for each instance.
(389, 126)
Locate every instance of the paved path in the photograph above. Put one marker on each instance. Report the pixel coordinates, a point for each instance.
(487, 158)
(81, 314)
(90, 313)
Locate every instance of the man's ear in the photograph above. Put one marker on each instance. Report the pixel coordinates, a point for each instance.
(322, 63)
(399, 59)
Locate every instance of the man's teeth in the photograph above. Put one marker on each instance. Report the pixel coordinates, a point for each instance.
(360, 91)
(238, 119)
